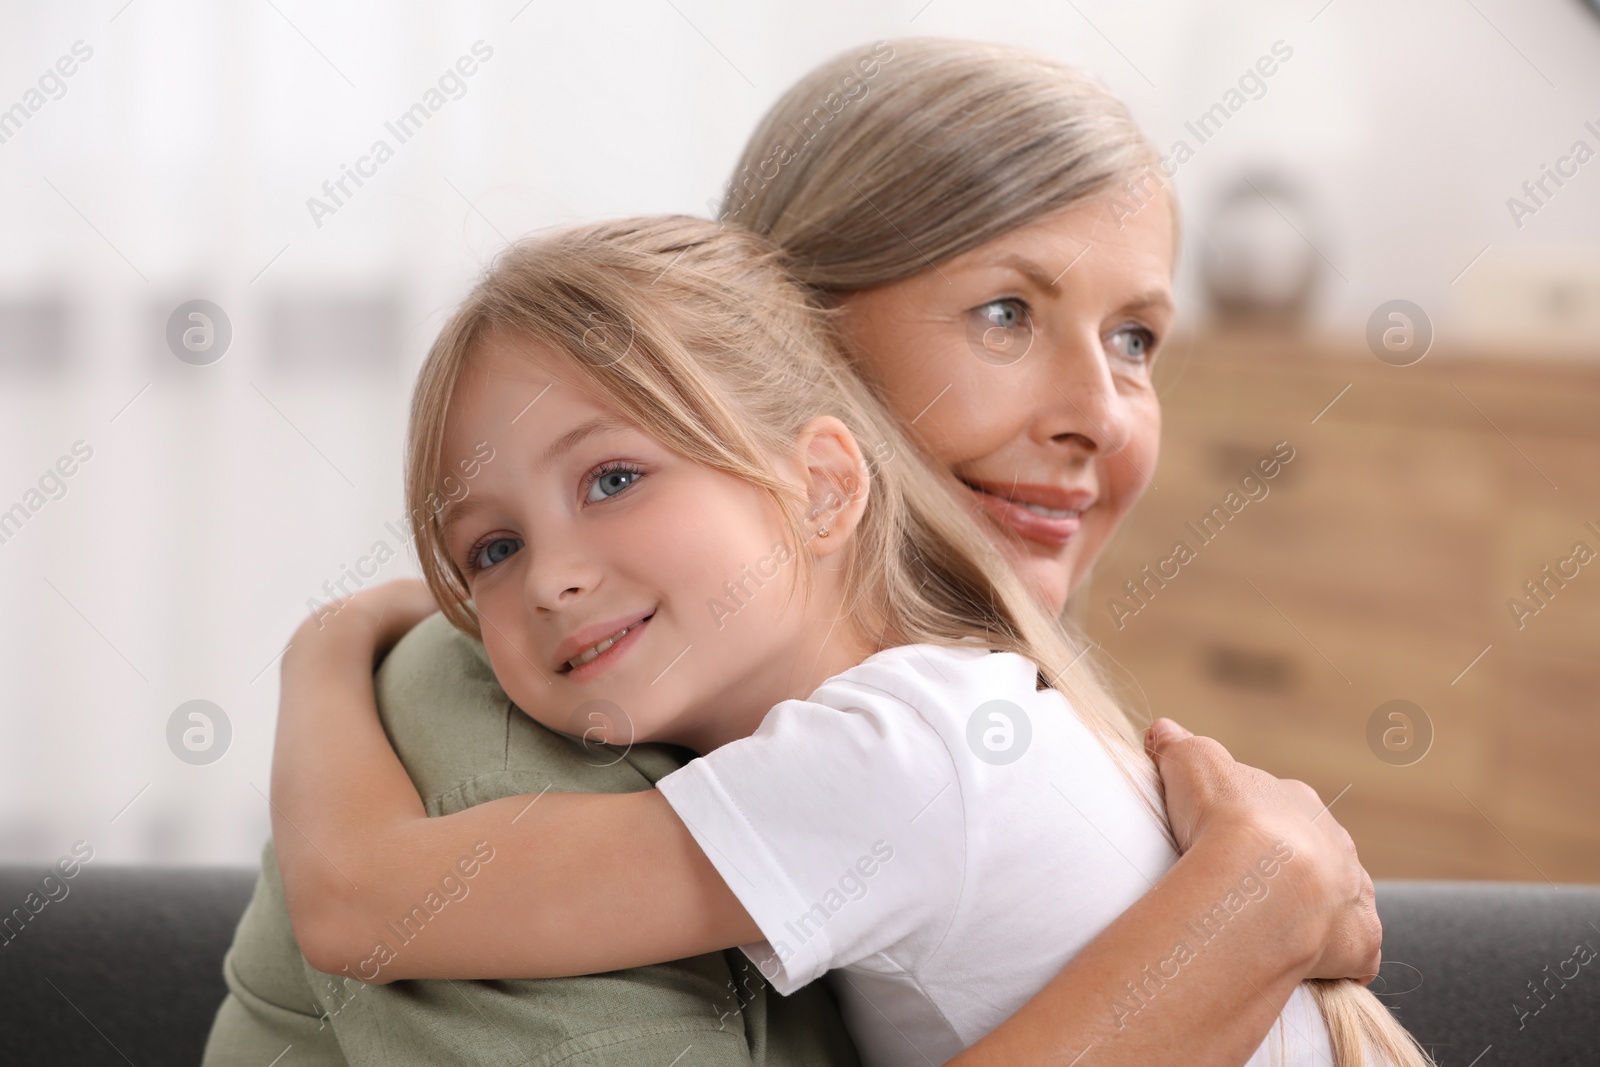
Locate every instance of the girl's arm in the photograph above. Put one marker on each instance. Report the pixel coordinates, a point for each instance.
(536, 886)
(649, 894)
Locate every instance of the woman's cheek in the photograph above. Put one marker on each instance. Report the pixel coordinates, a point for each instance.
(976, 417)
(1135, 466)
(953, 402)
(1049, 580)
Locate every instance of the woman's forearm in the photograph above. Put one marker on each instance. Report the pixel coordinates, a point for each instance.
(1178, 977)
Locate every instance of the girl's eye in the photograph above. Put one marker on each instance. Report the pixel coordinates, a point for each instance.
(1135, 342)
(486, 554)
(609, 482)
(1001, 331)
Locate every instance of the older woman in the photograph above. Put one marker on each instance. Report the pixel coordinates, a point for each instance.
(990, 230)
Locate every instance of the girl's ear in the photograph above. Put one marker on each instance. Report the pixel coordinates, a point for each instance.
(835, 483)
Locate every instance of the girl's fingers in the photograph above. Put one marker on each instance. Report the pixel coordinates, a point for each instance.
(371, 620)
(395, 607)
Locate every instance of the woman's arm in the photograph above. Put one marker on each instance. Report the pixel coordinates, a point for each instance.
(567, 883)
(1317, 920)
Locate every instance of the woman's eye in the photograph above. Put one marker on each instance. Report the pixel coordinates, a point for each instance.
(608, 483)
(493, 551)
(1135, 343)
(1006, 314)
(1001, 331)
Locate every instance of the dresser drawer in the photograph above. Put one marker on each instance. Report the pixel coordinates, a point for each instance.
(1378, 565)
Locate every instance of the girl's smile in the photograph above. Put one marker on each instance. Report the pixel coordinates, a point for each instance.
(594, 655)
(598, 561)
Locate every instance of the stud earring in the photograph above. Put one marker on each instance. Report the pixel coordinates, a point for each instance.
(822, 531)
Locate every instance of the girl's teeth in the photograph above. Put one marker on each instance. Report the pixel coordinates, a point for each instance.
(584, 657)
(1050, 513)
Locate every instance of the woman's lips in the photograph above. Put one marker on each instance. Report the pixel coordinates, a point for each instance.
(1011, 508)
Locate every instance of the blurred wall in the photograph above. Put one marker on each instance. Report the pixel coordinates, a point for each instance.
(176, 160)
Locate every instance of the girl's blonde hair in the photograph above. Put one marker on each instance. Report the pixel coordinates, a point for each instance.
(695, 332)
(890, 159)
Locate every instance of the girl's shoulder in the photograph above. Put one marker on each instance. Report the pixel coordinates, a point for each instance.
(942, 684)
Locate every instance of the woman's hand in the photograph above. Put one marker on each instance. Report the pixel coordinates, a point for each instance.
(1208, 792)
(1315, 919)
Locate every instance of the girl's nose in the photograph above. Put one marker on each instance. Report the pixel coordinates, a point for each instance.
(559, 572)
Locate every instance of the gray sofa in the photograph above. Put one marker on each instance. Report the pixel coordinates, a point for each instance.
(127, 968)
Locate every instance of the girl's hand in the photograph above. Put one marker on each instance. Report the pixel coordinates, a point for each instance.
(357, 849)
(375, 618)
(1208, 792)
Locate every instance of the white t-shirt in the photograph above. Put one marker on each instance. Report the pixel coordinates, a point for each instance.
(941, 854)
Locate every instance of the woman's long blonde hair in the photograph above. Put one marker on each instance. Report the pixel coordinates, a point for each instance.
(889, 159)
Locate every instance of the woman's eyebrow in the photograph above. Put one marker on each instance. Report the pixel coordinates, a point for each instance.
(1152, 298)
(1032, 271)
(1159, 298)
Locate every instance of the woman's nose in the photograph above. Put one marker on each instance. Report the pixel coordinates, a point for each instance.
(1082, 405)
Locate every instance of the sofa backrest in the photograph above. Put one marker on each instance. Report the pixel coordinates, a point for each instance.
(1497, 974)
(127, 966)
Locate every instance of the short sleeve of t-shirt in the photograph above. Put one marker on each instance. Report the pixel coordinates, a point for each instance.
(838, 824)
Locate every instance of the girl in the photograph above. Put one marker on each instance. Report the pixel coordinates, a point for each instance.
(699, 521)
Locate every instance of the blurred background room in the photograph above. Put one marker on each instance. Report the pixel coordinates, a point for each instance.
(215, 292)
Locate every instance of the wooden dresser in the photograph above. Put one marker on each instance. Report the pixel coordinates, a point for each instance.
(1378, 565)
